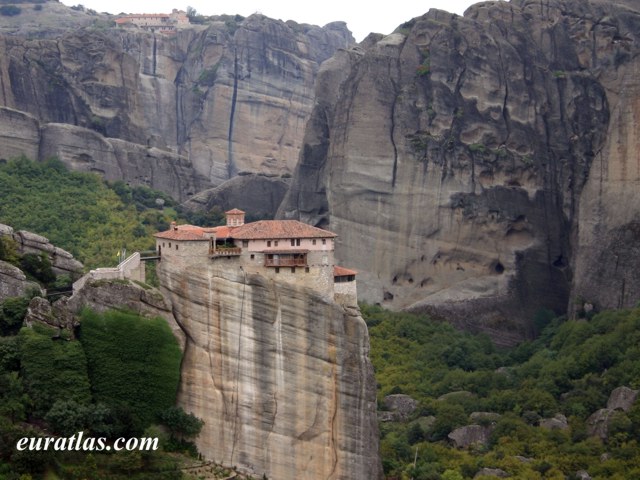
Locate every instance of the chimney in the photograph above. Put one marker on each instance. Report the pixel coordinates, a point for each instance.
(174, 226)
(235, 218)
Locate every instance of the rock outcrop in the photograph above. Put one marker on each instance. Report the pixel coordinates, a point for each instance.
(62, 262)
(103, 295)
(483, 167)
(13, 282)
(465, 437)
(280, 375)
(189, 110)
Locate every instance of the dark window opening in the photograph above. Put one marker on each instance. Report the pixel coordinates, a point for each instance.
(275, 243)
(324, 241)
(252, 256)
(245, 243)
(313, 241)
(268, 243)
(277, 269)
(176, 246)
(293, 242)
(293, 269)
(306, 269)
(499, 268)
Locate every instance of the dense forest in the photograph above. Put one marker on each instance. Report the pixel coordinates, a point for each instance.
(534, 402)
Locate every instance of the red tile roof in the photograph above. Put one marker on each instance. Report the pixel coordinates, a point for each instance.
(271, 229)
(342, 272)
(234, 211)
(185, 232)
(263, 229)
(224, 231)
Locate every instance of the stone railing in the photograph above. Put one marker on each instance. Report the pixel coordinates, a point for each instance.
(131, 268)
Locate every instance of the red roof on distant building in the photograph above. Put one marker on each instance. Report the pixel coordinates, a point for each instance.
(234, 211)
(343, 272)
(267, 229)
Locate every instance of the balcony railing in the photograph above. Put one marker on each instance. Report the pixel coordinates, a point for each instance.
(225, 251)
(299, 260)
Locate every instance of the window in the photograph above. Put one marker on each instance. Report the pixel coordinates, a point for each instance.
(313, 241)
(324, 241)
(293, 242)
(176, 246)
(306, 269)
(275, 243)
(245, 243)
(252, 256)
(293, 269)
(297, 242)
(163, 244)
(277, 269)
(268, 243)
(169, 244)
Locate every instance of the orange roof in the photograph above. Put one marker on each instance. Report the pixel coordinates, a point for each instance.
(234, 211)
(184, 232)
(224, 231)
(342, 272)
(266, 229)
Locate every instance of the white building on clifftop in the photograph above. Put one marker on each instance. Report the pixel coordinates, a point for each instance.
(155, 22)
(284, 250)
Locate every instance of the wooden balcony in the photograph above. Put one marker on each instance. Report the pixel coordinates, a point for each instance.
(225, 252)
(285, 260)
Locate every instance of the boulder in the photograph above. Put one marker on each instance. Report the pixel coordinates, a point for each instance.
(598, 423)
(491, 472)
(464, 437)
(400, 405)
(622, 398)
(558, 422)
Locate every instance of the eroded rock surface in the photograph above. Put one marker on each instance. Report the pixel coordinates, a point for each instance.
(62, 262)
(280, 375)
(13, 282)
(189, 110)
(483, 167)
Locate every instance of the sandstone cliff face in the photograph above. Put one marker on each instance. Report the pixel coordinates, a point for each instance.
(200, 106)
(280, 375)
(474, 166)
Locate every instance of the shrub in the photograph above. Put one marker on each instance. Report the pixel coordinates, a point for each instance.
(132, 361)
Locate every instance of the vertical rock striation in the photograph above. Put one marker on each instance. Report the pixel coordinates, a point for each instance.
(280, 375)
(232, 97)
(467, 163)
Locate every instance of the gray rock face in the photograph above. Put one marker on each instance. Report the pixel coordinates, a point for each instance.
(279, 374)
(13, 283)
(191, 110)
(622, 398)
(57, 315)
(62, 262)
(458, 171)
(465, 437)
(258, 195)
